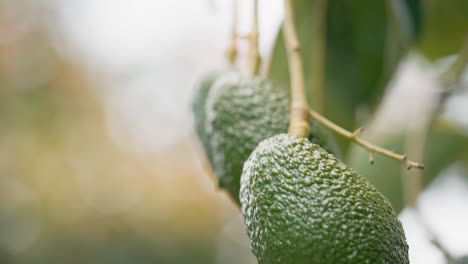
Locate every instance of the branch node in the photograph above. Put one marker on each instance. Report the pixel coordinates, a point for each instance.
(357, 132)
(371, 157)
(418, 166)
(404, 157)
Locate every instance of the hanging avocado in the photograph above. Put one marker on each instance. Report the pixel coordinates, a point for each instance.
(302, 205)
(241, 111)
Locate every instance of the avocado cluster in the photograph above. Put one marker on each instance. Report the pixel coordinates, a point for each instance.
(233, 113)
(302, 205)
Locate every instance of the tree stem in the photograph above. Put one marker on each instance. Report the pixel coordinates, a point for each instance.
(353, 136)
(299, 115)
(231, 51)
(254, 55)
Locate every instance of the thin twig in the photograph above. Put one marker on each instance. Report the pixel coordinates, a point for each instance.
(319, 55)
(298, 124)
(363, 143)
(254, 56)
(231, 51)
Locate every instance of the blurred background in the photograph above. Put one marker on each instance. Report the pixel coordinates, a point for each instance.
(99, 162)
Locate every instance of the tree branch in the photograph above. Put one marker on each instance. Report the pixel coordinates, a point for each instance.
(298, 124)
(354, 136)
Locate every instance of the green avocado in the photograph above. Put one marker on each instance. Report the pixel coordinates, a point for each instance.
(202, 89)
(241, 112)
(302, 205)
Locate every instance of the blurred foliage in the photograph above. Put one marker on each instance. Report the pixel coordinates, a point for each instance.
(365, 45)
(445, 27)
(68, 194)
(445, 145)
(460, 260)
(363, 48)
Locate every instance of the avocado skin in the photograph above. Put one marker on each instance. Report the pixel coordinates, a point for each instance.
(241, 112)
(302, 205)
(200, 95)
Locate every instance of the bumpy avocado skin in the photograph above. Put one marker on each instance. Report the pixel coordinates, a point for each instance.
(202, 89)
(302, 205)
(241, 112)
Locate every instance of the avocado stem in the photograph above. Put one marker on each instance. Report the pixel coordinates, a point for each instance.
(254, 53)
(353, 136)
(231, 50)
(298, 125)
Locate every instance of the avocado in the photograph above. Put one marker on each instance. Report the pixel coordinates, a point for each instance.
(302, 205)
(241, 112)
(200, 95)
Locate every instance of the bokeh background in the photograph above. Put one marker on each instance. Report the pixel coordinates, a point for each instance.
(99, 162)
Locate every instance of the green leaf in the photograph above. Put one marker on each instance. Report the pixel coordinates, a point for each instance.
(444, 145)
(445, 27)
(365, 42)
(416, 13)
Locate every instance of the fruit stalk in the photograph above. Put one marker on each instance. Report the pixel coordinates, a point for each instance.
(353, 136)
(254, 56)
(231, 51)
(298, 125)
